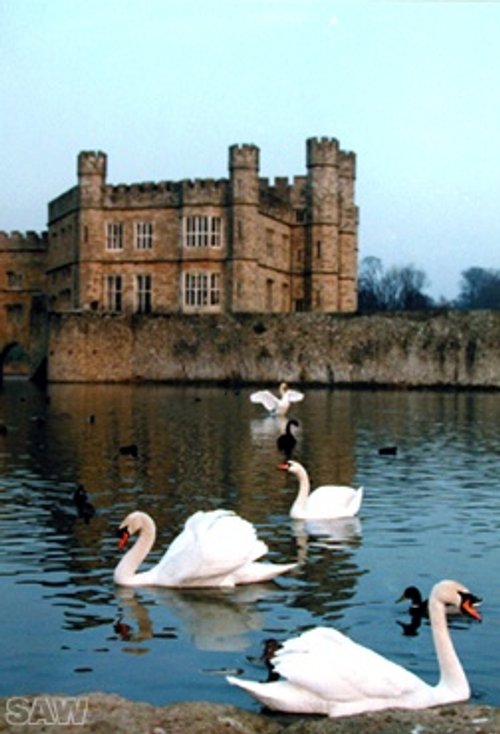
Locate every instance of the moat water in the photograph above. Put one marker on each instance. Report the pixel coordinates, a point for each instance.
(430, 511)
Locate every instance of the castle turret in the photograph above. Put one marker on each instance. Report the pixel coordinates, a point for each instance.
(321, 291)
(91, 177)
(348, 228)
(243, 239)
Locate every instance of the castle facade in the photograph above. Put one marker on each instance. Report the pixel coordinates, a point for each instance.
(240, 244)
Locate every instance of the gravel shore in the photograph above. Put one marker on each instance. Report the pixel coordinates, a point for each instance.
(109, 714)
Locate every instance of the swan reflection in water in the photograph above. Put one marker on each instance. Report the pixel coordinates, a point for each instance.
(267, 428)
(328, 534)
(214, 620)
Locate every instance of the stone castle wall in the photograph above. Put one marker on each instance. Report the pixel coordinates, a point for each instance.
(432, 349)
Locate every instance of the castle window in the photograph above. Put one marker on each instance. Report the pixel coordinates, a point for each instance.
(318, 249)
(270, 242)
(269, 294)
(113, 292)
(144, 235)
(143, 293)
(201, 231)
(201, 289)
(114, 236)
(14, 312)
(14, 280)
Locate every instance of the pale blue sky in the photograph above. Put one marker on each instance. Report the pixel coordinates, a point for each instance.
(164, 87)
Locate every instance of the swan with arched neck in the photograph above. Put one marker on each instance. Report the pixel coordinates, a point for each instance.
(324, 672)
(214, 549)
(329, 501)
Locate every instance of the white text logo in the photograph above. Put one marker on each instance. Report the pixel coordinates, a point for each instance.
(46, 710)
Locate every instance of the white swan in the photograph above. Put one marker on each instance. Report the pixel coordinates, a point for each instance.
(327, 673)
(326, 502)
(216, 548)
(277, 405)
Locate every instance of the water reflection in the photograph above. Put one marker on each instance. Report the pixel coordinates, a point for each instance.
(430, 511)
(326, 534)
(214, 620)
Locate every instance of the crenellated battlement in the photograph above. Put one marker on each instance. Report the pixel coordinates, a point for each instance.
(322, 152)
(204, 191)
(92, 163)
(347, 164)
(20, 241)
(167, 193)
(244, 156)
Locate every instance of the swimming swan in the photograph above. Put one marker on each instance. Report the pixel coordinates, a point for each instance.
(327, 673)
(277, 405)
(326, 502)
(216, 548)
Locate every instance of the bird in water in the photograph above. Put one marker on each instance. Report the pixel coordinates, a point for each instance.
(274, 404)
(84, 506)
(322, 671)
(215, 549)
(286, 442)
(419, 607)
(271, 647)
(326, 502)
(388, 450)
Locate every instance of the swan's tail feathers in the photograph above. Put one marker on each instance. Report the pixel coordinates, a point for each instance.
(357, 500)
(262, 692)
(255, 572)
(281, 695)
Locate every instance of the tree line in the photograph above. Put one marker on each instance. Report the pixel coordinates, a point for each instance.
(403, 288)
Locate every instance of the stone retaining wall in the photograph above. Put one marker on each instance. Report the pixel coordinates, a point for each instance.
(438, 349)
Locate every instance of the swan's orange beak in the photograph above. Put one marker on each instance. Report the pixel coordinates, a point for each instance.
(283, 467)
(469, 608)
(123, 536)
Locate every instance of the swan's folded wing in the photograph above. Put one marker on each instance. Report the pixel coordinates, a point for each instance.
(265, 398)
(332, 666)
(212, 544)
(294, 396)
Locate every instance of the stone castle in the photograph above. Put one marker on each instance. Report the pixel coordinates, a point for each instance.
(241, 244)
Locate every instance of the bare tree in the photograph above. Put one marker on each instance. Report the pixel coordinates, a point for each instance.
(397, 289)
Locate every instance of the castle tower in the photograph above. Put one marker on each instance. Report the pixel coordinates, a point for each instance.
(91, 177)
(348, 248)
(243, 239)
(322, 262)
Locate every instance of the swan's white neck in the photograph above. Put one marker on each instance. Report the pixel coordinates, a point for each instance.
(453, 679)
(125, 570)
(298, 508)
